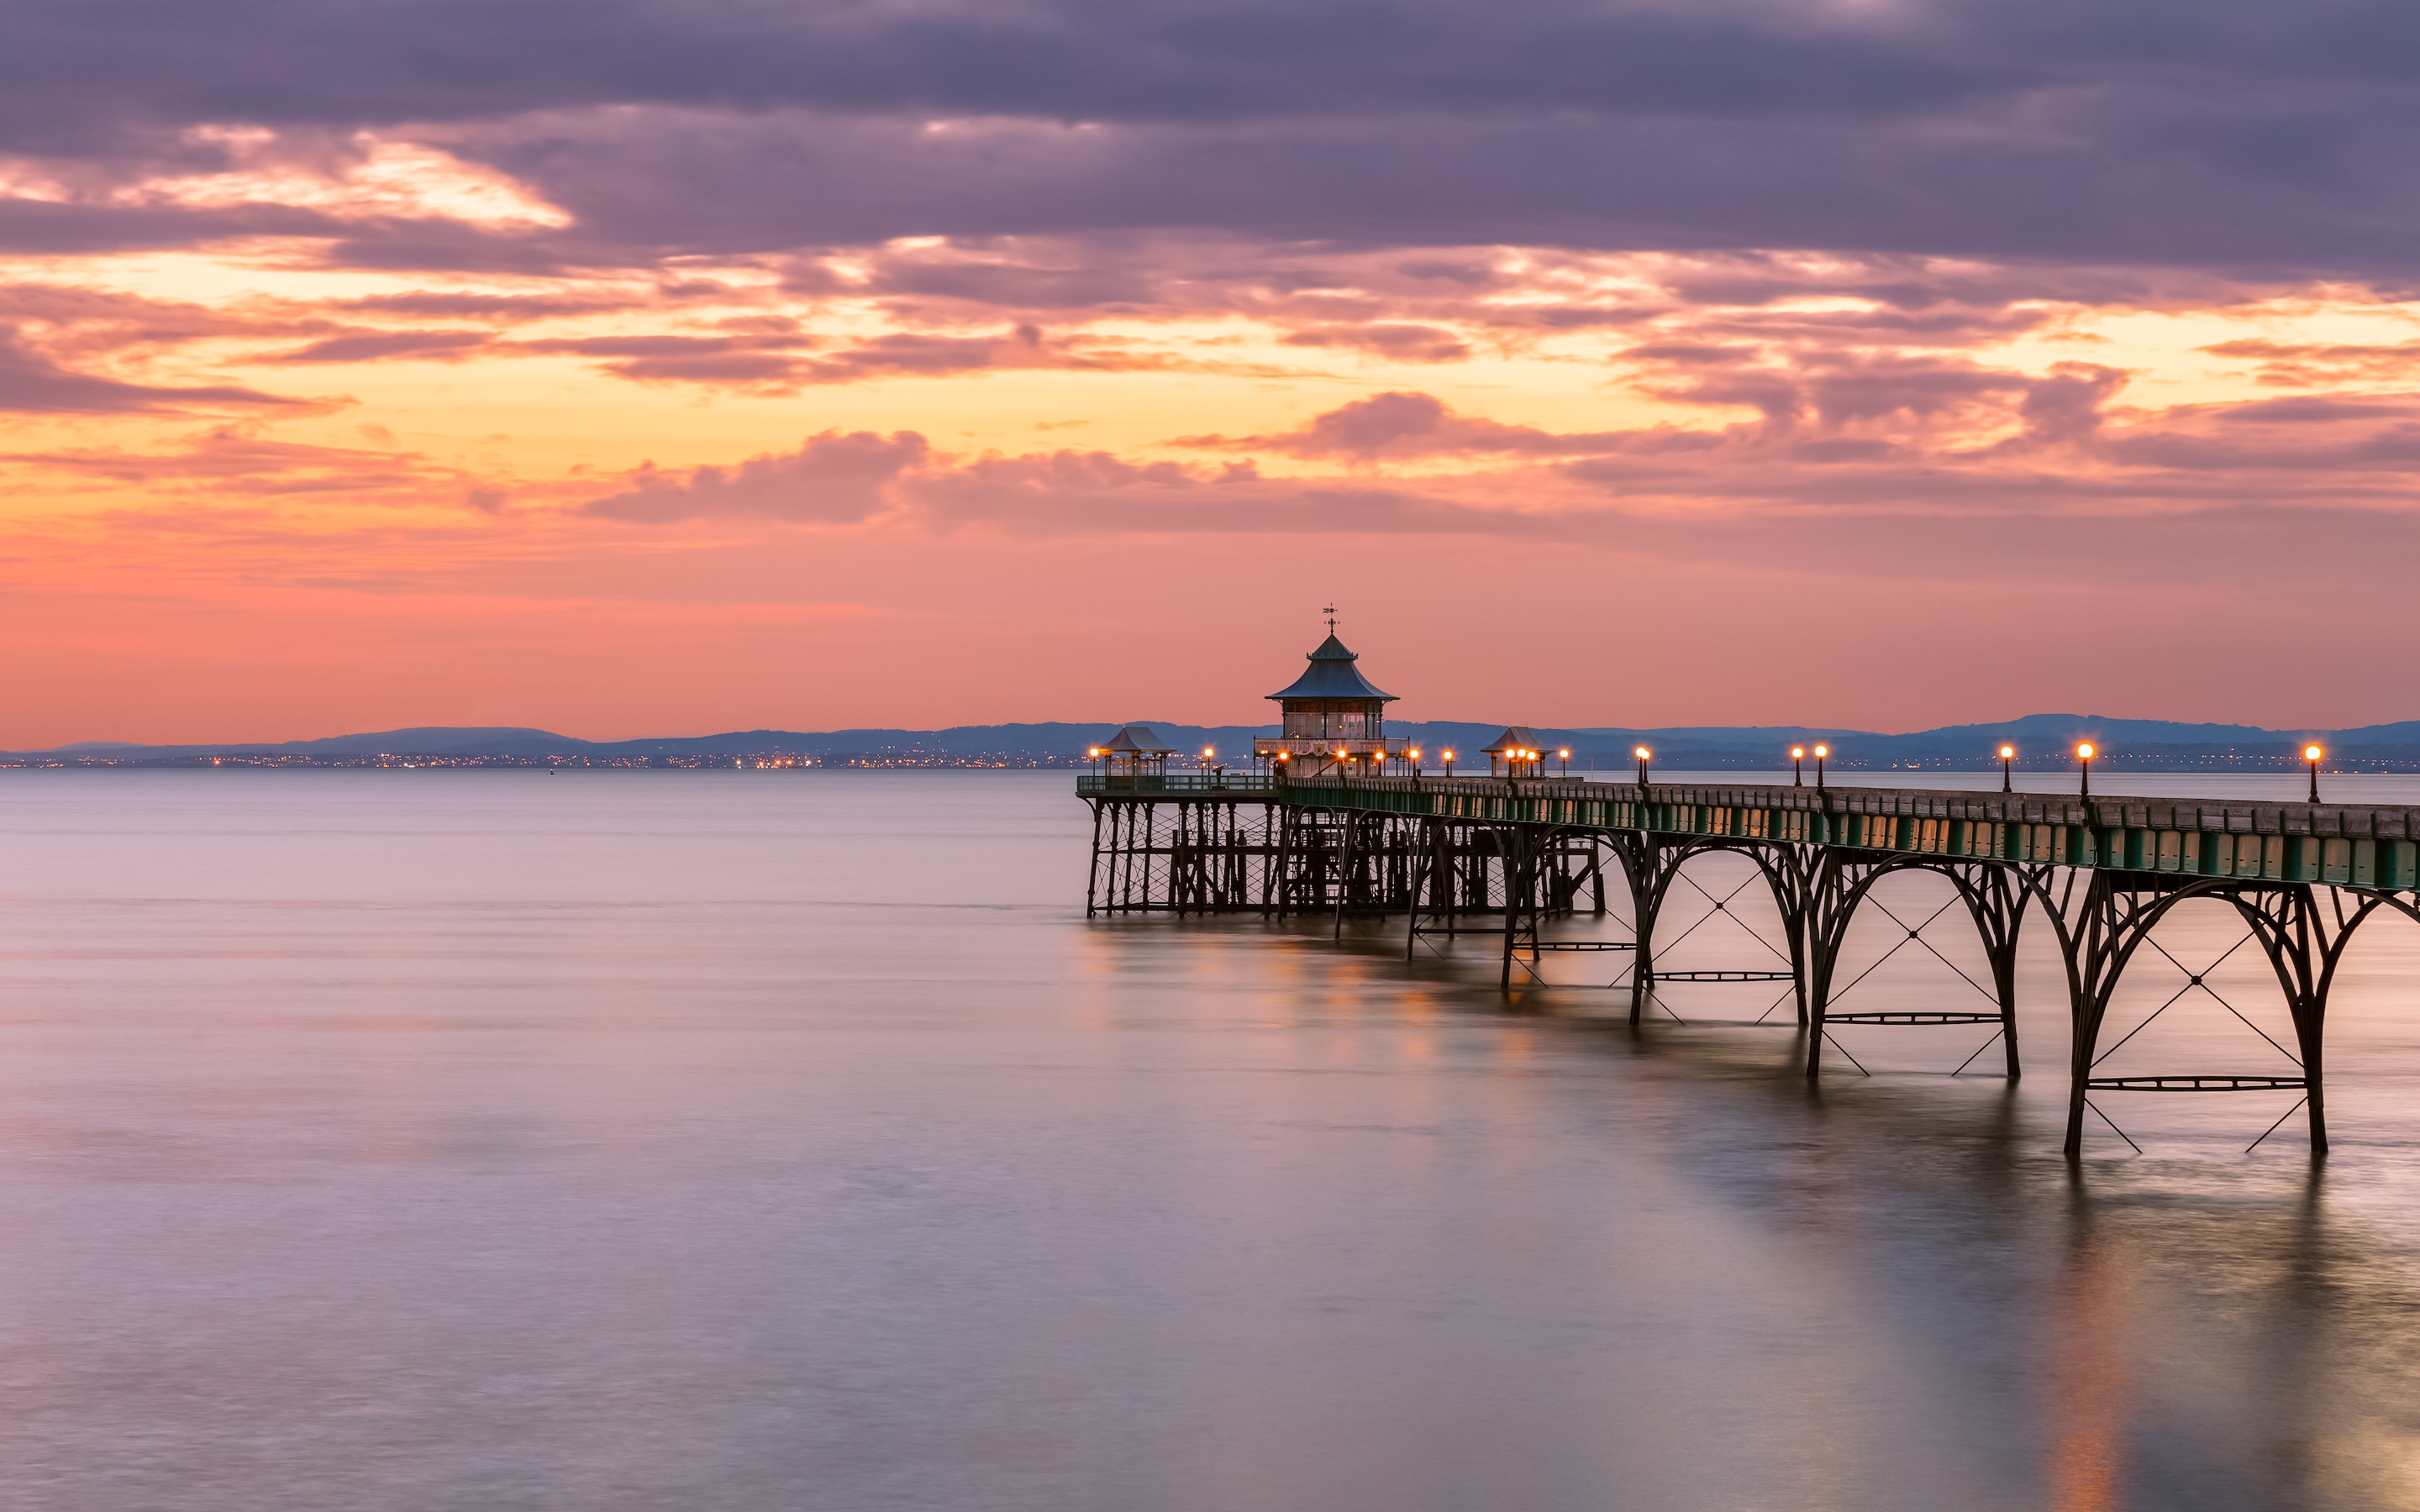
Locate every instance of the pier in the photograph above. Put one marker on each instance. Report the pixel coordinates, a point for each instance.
(1341, 837)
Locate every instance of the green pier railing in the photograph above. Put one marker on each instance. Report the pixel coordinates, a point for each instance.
(2350, 845)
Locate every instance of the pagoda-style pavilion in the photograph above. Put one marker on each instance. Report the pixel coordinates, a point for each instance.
(1335, 720)
(1135, 750)
(1516, 753)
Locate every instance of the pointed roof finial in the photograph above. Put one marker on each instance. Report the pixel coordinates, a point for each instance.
(1330, 612)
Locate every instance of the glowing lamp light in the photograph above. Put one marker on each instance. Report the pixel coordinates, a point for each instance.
(2312, 754)
(1822, 750)
(1639, 751)
(1565, 753)
(2008, 752)
(2084, 751)
(1797, 753)
(1449, 755)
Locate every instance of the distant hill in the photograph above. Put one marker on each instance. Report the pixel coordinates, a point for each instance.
(2042, 740)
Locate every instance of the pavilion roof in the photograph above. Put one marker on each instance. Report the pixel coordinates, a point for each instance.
(1332, 675)
(1138, 739)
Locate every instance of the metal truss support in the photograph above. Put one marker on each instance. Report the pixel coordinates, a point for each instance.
(1189, 857)
(1996, 897)
(2305, 940)
(1524, 881)
(1842, 880)
(1651, 864)
(2105, 917)
(1793, 872)
(1092, 873)
(1438, 894)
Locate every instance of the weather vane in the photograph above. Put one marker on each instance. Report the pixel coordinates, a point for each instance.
(1330, 612)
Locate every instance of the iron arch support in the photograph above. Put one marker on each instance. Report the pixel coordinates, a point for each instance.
(1651, 862)
(2304, 942)
(1841, 881)
(2100, 930)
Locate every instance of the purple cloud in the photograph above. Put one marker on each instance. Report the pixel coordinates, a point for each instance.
(2243, 138)
(32, 383)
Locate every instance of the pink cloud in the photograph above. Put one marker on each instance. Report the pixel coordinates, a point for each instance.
(834, 478)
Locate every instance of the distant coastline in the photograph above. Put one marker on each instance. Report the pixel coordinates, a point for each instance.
(2042, 742)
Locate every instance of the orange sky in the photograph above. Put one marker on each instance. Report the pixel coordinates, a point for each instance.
(262, 483)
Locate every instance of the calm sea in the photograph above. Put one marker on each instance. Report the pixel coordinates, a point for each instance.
(702, 1141)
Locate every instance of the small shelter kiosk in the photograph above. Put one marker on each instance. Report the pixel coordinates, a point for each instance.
(1134, 756)
(1334, 719)
(1516, 753)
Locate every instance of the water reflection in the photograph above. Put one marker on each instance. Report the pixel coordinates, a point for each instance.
(691, 1140)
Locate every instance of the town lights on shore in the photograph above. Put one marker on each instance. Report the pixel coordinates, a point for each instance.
(2312, 754)
(2008, 764)
(2085, 752)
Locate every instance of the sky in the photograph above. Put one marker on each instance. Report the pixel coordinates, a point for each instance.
(629, 367)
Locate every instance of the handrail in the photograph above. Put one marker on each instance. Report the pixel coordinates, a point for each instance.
(1254, 783)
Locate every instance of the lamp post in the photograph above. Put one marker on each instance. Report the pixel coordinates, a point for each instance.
(1643, 753)
(1448, 761)
(1821, 753)
(1566, 754)
(2312, 754)
(1413, 756)
(2084, 754)
(1797, 770)
(2008, 762)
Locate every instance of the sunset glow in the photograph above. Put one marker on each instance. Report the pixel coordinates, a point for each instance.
(619, 408)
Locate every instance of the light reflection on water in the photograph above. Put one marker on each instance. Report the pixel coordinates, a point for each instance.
(754, 1140)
